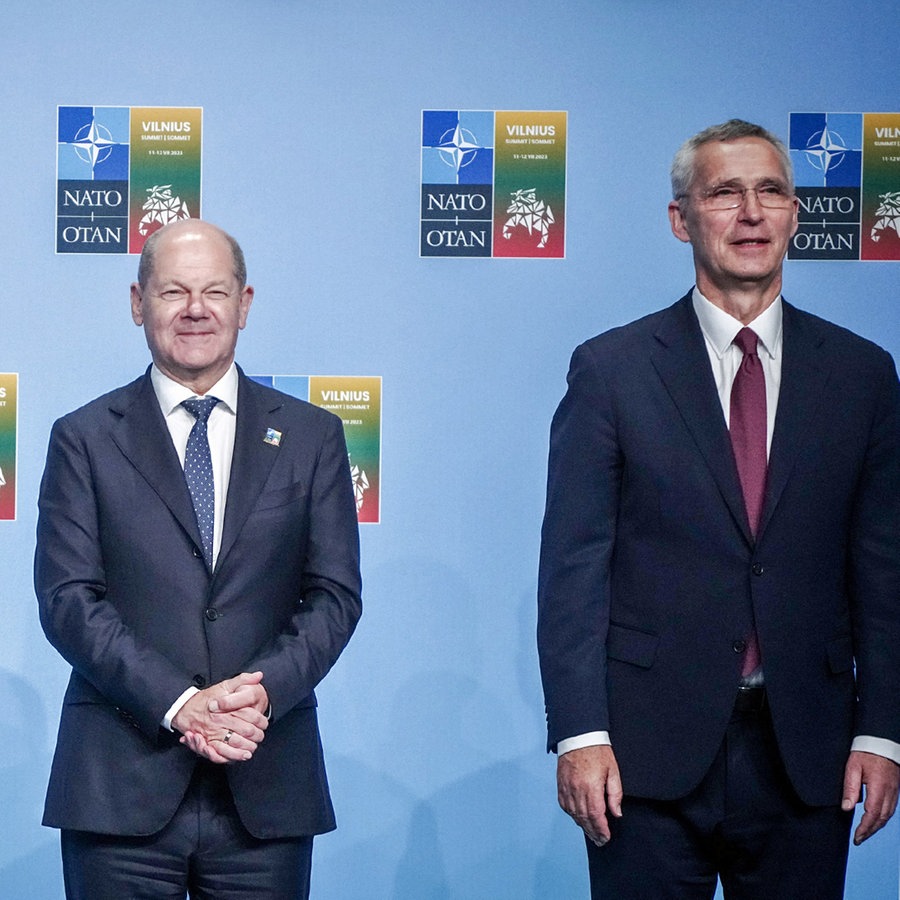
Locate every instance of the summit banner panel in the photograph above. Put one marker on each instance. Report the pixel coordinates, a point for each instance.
(493, 184)
(123, 172)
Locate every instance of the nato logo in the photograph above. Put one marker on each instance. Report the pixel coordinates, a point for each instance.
(92, 167)
(457, 183)
(826, 149)
(826, 153)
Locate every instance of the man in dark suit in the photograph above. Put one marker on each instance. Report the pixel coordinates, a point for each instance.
(719, 594)
(197, 565)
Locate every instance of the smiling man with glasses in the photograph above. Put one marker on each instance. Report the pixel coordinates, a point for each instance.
(719, 625)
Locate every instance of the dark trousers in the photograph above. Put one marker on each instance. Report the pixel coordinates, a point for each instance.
(204, 852)
(743, 824)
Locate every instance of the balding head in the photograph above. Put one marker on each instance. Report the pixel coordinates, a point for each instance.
(189, 229)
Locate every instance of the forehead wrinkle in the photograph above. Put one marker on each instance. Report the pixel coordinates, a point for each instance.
(184, 272)
(747, 154)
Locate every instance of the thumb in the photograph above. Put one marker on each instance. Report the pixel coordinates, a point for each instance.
(852, 786)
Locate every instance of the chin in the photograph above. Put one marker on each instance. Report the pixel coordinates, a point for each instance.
(756, 271)
(196, 366)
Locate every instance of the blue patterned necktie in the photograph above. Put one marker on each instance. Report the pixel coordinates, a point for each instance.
(198, 471)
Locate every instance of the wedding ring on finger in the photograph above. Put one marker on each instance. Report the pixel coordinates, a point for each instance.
(227, 737)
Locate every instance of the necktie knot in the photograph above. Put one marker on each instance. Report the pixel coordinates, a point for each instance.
(748, 341)
(200, 407)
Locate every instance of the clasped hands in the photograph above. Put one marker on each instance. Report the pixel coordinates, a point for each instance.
(225, 722)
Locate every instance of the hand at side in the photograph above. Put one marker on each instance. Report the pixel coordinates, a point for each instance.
(589, 788)
(881, 776)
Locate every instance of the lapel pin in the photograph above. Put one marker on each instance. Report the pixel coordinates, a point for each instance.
(272, 437)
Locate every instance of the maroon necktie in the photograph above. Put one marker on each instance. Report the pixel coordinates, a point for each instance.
(748, 439)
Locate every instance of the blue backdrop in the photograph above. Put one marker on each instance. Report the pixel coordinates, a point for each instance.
(433, 719)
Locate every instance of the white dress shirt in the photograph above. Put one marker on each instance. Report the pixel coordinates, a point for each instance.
(220, 431)
(719, 331)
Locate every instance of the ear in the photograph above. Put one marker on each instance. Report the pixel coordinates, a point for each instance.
(244, 305)
(137, 301)
(677, 221)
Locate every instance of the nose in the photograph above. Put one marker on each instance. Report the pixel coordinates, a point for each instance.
(195, 305)
(750, 207)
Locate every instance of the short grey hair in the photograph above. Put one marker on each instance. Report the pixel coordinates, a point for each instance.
(148, 254)
(683, 166)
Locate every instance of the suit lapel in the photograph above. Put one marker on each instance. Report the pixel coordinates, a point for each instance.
(803, 375)
(142, 436)
(253, 457)
(682, 362)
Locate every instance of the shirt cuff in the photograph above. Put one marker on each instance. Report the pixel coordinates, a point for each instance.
(878, 746)
(864, 743)
(173, 709)
(589, 739)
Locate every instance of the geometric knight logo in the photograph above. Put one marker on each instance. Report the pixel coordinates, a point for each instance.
(162, 208)
(887, 215)
(530, 213)
(360, 483)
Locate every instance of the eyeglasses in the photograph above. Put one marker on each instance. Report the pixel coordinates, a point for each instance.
(771, 196)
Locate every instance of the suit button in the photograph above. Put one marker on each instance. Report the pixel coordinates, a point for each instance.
(199, 681)
(757, 569)
(739, 646)
(212, 614)
(197, 554)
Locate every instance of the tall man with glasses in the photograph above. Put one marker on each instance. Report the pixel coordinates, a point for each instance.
(719, 592)
(198, 566)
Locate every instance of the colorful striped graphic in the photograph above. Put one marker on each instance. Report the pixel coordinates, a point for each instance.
(880, 236)
(9, 408)
(165, 169)
(530, 184)
(357, 400)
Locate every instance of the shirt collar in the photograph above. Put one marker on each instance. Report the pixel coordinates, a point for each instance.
(170, 393)
(719, 328)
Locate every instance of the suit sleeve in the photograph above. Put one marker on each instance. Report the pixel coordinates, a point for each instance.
(330, 603)
(71, 587)
(875, 570)
(577, 542)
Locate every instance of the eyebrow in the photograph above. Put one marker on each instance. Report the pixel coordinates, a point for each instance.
(177, 283)
(737, 182)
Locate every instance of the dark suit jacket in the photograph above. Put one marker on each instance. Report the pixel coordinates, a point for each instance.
(649, 574)
(127, 599)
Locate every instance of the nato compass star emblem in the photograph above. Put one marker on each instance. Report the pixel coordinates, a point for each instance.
(93, 143)
(458, 147)
(825, 150)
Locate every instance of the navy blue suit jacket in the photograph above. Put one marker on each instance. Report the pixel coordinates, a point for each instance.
(649, 574)
(127, 599)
